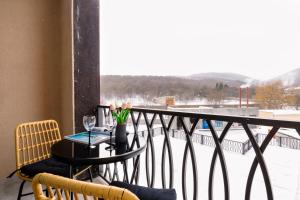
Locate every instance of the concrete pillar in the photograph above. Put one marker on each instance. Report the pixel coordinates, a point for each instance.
(86, 59)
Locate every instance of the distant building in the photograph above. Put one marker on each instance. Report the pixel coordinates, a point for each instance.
(292, 115)
(165, 100)
(170, 101)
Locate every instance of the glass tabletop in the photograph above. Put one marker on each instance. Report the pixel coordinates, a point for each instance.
(75, 153)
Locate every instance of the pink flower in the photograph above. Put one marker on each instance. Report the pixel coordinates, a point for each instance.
(112, 107)
(129, 105)
(124, 105)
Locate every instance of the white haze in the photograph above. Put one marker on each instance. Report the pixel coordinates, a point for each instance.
(256, 38)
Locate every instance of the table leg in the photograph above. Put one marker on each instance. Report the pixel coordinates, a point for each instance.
(71, 177)
(90, 174)
(70, 172)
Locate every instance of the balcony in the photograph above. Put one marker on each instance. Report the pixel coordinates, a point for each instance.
(49, 69)
(208, 163)
(211, 166)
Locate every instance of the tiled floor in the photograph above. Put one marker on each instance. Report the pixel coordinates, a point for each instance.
(9, 188)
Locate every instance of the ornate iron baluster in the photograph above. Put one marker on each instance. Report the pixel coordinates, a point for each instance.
(107, 172)
(150, 145)
(126, 177)
(136, 165)
(218, 151)
(166, 144)
(255, 161)
(260, 159)
(189, 146)
(136, 141)
(115, 173)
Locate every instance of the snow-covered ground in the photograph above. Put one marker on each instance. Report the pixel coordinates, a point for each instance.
(283, 166)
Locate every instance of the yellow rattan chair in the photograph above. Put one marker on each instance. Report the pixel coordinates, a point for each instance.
(61, 188)
(33, 144)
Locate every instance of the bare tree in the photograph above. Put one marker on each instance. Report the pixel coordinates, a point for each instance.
(271, 95)
(217, 95)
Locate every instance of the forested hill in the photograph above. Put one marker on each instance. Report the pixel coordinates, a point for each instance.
(156, 86)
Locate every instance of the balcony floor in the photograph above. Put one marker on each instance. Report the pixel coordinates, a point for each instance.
(9, 188)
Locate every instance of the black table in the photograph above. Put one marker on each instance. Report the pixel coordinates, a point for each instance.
(76, 154)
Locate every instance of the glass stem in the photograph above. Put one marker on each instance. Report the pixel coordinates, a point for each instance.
(89, 138)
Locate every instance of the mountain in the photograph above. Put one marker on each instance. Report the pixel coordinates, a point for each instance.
(228, 76)
(156, 86)
(232, 79)
(183, 87)
(289, 79)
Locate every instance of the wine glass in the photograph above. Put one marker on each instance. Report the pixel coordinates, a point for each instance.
(107, 122)
(111, 124)
(89, 122)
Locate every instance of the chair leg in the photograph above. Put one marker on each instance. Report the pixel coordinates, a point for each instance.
(46, 193)
(90, 174)
(21, 190)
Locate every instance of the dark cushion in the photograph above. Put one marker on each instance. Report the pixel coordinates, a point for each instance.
(49, 165)
(145, 193)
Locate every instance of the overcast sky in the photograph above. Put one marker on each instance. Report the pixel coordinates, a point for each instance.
(258, 38)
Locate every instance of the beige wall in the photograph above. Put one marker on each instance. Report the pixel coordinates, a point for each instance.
(67, 102)
(35, 68)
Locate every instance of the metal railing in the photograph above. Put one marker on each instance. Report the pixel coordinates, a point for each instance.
(207, 140)
(149, 116)
(281, 141)
(227, 144)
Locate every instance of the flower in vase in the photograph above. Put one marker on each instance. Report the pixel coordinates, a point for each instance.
(120, 114)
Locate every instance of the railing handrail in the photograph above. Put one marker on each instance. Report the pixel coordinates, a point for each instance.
(227, 118)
